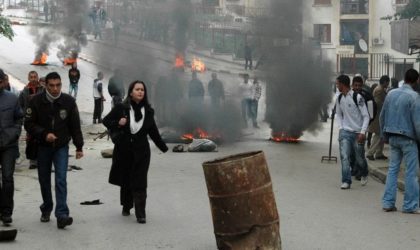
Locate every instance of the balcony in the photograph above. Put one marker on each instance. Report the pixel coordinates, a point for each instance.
(354, 7)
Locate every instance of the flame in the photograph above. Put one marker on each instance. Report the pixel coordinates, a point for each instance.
(198, 65)
(283, 137)
(40, 59)
(69, 60)
(179, 61)
(199, 133)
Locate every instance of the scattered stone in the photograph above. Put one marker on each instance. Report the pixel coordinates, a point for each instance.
(107, 153)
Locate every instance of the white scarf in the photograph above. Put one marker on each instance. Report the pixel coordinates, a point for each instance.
(136, 126)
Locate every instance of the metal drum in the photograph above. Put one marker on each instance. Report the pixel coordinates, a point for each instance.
(242, 202)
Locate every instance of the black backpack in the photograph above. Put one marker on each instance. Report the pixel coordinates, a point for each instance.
(369, 101)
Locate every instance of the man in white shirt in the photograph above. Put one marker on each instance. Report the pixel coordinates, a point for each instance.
(98, 97)
(245, 93)
(353, 120)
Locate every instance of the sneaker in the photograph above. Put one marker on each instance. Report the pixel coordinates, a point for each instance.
(45, 217)
(389, 209)
(7, 219)
(370, 157)
(412, 212)
(364, 180)
(345, 185)
(62, 222)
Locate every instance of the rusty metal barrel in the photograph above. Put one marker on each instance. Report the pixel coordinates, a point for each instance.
(242, 202)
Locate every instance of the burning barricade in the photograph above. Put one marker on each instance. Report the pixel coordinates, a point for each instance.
(40, 59)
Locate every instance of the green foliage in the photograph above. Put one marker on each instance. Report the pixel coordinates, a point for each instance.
(6, 28)
(410, 11)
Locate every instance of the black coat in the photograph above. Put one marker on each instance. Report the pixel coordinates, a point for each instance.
(131, 156)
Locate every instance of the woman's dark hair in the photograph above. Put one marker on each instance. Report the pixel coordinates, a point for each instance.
(130, 89)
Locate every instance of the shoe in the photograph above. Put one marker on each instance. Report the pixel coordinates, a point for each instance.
(7, 219)
(370, 157)
(33, 166)
(62, 222)
(256, 126)
(364, 180)
(389, 209)
(45, 217)
(381, 157)
(345, 185)
(412, 212)
(125, 212)
(141, 220)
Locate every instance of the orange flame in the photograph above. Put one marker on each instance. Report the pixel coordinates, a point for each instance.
(283, 137)
(69, 61)
(179, 61)
(199, 133)
(198, 65)
(41, 59)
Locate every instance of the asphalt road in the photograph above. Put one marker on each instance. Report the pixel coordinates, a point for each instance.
(314, 212)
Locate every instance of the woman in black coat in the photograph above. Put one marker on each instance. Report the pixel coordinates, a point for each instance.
(129, 124)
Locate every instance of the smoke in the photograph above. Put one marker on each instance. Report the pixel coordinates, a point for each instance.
(68, 26)
(182, 14)
(298, 83)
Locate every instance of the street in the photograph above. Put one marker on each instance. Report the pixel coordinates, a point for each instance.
(314, 212)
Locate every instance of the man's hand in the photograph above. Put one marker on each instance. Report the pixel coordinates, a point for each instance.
(51, 137)
(122, 121)
(361, 138)
(79, 154)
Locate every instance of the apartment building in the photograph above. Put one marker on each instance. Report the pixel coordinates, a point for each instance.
(352, 35)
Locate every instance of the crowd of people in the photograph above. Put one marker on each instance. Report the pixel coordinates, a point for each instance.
(395, 120)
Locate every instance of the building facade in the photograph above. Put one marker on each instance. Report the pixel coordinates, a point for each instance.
(353, 35)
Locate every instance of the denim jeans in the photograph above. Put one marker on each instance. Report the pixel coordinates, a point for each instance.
(246, 109)
(7, 162)
(73, 88)
(60, 158)
(348, 145)
(402, 147)
(254, 111)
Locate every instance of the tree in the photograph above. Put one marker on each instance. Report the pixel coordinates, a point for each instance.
(6, 28)
(412, 10)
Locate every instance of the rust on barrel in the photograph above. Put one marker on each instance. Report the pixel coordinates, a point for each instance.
(242, 202)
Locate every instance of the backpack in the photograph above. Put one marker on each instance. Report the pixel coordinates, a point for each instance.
(369, 101)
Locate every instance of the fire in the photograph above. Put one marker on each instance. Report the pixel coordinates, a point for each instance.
(198, 65)
(69, 61)
(199, 133)
(284, 137)
(40, 59)
(179, 61)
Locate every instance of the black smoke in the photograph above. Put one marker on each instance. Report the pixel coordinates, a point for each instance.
(298, 81)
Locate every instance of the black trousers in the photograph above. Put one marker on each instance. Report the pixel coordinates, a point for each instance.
(129, 197)
(98, 108)
(7, 162)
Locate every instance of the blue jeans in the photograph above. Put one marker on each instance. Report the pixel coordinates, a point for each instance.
(246, 109)
(348, 145)
(7, 162)
(402, 147)
(73, 88)
(60, 158)
(254, 111)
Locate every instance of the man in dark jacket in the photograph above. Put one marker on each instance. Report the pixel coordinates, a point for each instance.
(74, 77)
(53, 119)
(30, 90)
(195, 90)
(10, 129)
(216, 90)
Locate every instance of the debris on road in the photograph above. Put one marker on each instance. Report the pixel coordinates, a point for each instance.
(202, 145)
(93, 202)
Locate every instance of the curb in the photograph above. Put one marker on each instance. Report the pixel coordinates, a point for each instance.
(380, 175)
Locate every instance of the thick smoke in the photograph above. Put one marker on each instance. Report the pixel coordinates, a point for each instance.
(182, 14)
(298, 82)
(67, 29)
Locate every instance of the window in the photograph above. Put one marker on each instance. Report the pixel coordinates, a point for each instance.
(355, 32)
(322, 33)
(353, 7)
(322, 2)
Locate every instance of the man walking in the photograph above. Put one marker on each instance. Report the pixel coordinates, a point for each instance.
(28, 92)
(98, 97)
(245, 93)
(353, 120)
(53, 118)
(74, 77)
(377, 147)
(10, 129)
(256, 94)
(397, 120)
(216, 91)
(195, 90)
(248, 56)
